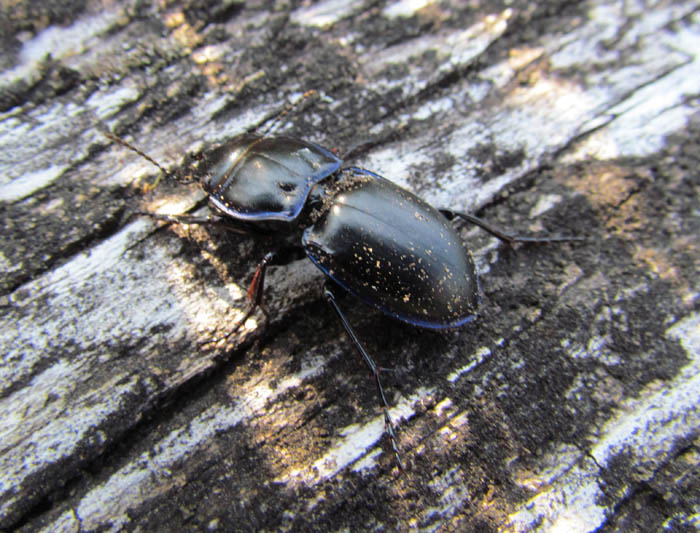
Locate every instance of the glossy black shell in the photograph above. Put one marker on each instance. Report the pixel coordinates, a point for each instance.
(264, 178)
(393, 251)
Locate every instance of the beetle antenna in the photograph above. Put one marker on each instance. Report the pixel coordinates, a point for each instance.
(148, 158)
(277, 117)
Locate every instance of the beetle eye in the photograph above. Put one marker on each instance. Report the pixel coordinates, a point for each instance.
(287, 187)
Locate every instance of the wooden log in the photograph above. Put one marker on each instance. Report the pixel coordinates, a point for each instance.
(571, 403)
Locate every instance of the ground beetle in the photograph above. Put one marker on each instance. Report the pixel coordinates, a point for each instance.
(375, 240)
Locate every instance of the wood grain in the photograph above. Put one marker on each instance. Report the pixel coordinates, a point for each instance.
(571, 403)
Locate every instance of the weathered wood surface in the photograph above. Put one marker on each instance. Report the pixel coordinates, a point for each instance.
(571, 404)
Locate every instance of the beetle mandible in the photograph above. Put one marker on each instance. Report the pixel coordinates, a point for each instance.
(372, 238)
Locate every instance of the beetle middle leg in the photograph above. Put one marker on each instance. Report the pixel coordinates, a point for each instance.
(388, 425)
(255, 293)
(505, 237)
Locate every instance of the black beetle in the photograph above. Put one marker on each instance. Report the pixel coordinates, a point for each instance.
(375, 240)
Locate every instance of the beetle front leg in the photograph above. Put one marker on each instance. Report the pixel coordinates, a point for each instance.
(256, 288)
(194, 219)
(505, 237)
(183, 219)
(254, 298)
(388, 425)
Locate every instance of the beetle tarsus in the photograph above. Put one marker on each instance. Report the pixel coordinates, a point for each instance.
(388, 424)
(217, 340)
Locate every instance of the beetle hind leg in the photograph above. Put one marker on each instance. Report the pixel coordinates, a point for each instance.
(503, 236)
(388, 425)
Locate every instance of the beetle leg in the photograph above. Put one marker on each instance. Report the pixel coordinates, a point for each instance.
(254, 296)
(505, 237)
(388, 425)
(255, 291)
(194, 219)
(183, 219)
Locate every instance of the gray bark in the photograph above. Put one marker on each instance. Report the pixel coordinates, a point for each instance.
(571, 403)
